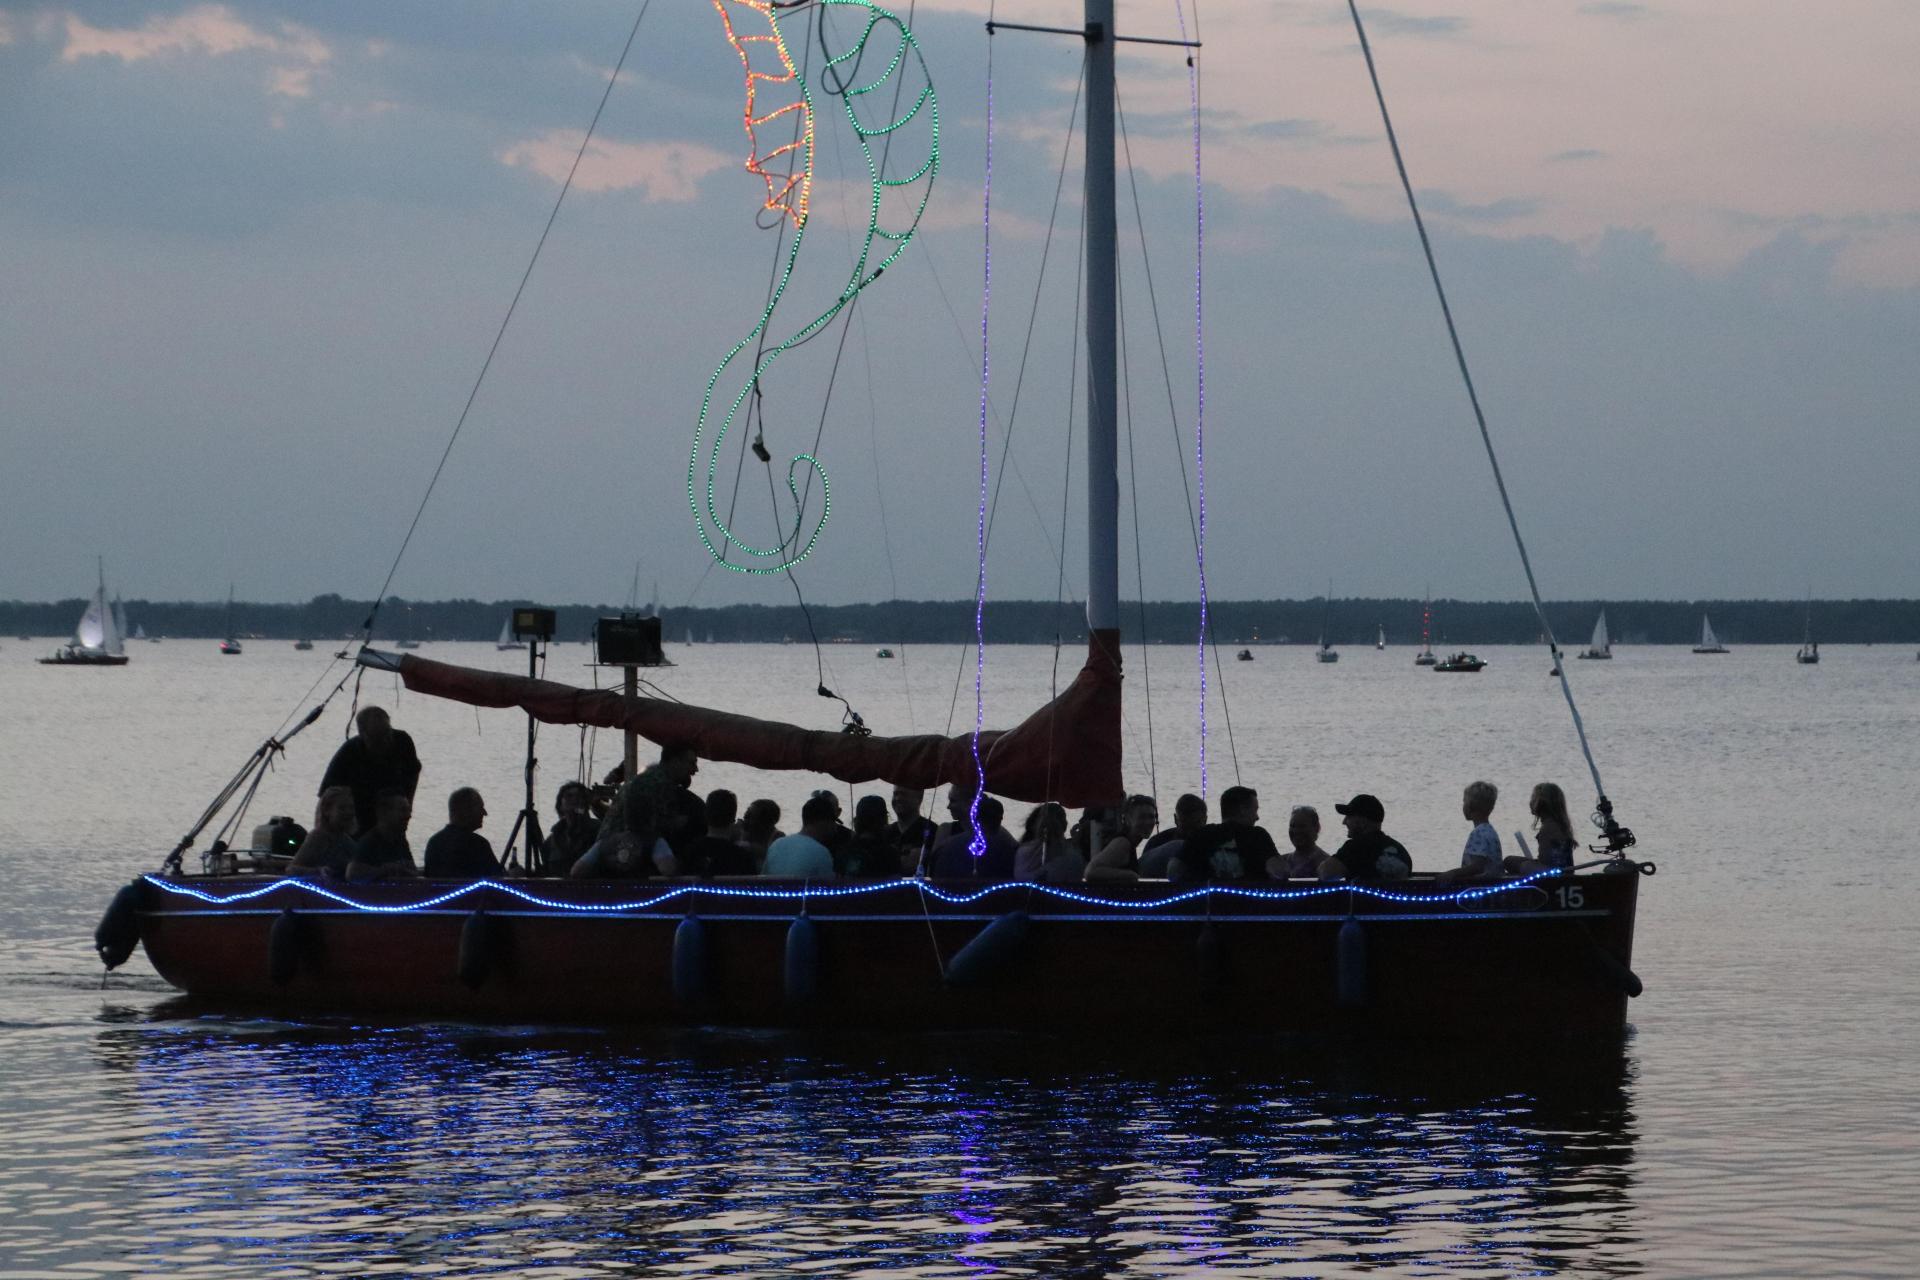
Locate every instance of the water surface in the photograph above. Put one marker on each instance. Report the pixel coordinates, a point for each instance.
(1760, 1119)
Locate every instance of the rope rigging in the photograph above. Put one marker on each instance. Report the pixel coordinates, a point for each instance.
(1618, 838)
(1208, 642)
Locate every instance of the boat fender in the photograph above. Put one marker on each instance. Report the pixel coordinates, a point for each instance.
(283, 948)
(803, 962)
(690, 962)
(989, 952)
(1614, 973)
(118, 932)
(1350, 956)
(479, 947)
(1210, 954)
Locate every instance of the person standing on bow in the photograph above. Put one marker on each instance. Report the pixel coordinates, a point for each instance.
(378, 758)
(665, 789)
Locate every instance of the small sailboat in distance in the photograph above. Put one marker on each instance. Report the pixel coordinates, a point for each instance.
(1601, 646)
(97, 638)
(1809, 654)
(506, 640)
(230, 647)
(1326, 651)
(1380, 640)
(1709, 642)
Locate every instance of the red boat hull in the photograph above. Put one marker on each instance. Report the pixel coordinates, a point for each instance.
(1548, 958)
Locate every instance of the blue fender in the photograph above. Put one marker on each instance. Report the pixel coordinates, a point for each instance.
(1210, 957)
(690, 962)
(1612, 971)
(118, 932)
(803, 962)
(1350, 955)
(990, 951)
(283, 948)
(479, 941)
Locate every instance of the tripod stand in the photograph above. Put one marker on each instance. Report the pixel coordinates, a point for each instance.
(528, 816)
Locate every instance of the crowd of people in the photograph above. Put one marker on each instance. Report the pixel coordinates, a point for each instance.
(655, 825)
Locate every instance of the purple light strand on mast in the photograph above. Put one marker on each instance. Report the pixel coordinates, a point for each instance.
(1200, 367)
(977, 846)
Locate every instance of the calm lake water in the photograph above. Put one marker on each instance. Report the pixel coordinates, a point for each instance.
(1762, 1119)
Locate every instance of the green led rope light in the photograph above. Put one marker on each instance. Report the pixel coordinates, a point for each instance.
(879, 247)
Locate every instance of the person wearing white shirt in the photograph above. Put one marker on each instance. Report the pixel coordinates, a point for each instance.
(804, 854)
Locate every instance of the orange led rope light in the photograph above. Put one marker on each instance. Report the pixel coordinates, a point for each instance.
(787, 193)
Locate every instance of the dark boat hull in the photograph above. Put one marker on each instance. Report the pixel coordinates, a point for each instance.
(1546, 958)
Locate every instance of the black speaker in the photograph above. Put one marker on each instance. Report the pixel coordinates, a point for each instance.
(628, 641)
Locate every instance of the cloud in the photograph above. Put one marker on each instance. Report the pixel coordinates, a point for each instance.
(1576, 155)
(292, 82)
(1440, 202)
(208, 30)
(6, 29)
(1389, 22)
(1615, 9)
(664, 171)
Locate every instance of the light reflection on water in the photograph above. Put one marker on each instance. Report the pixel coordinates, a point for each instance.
(1764, 1119)
(213, 1147)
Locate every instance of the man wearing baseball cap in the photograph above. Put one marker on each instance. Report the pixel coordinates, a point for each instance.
(1369, 854)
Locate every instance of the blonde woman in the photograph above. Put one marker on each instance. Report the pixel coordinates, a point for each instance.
(1554, 844)
(329, 846)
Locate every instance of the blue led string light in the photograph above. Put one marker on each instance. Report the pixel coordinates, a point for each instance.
(1327, 889)
(977, 845)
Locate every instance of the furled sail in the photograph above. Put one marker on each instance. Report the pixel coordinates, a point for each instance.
(1068, 750)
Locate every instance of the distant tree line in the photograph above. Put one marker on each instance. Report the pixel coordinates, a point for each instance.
(1234, 622)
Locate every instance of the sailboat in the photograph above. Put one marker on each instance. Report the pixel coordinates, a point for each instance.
(908, 953)
(140, 633)
(506, 640)
(1380, 640)
(1809, 653)
(1326, 652)
(1425, 657)
(1709, 643)
(230, 646)
(1601, 646)
(97, 637)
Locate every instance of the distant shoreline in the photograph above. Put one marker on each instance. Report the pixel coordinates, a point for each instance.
(1350, 623)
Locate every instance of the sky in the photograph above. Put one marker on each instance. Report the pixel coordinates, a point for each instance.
(254, 255)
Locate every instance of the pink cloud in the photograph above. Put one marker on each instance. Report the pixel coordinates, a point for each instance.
(664, 171)
(208, 30)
